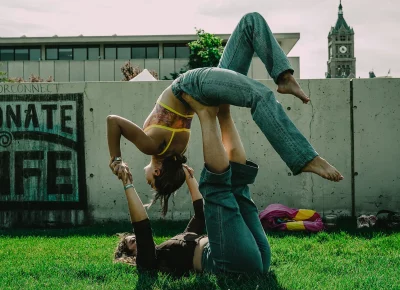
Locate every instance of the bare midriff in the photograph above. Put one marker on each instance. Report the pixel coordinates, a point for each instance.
(198, 253)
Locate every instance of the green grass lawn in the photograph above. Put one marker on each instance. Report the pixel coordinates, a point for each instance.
(81, 258)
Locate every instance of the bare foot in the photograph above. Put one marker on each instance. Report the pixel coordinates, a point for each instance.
(288, 85)
(321, 167)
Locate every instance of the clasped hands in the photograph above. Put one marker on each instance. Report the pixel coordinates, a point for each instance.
(121, 170)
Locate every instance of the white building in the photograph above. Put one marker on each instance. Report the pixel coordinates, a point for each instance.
(99, 58)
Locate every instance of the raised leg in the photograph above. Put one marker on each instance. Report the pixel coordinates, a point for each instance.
(232, 246)
(216, 86)
(243, 173)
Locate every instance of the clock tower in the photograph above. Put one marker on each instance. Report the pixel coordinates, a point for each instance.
(341, 60)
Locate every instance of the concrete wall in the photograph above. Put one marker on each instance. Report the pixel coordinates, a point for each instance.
(326, 122)
(110, 70)
(376, 109)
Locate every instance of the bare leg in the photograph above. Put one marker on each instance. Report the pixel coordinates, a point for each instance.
(230, 136)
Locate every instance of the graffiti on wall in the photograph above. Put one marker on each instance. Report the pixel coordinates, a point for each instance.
(41, 151)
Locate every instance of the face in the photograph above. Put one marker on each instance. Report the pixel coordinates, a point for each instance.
(150, 171)
(131, 243)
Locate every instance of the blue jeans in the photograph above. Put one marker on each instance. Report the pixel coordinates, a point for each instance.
(228, 84)
(237, 241)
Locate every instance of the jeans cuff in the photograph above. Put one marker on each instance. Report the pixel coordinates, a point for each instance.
(216, 178)
(177, 91)
(243, 174)
(301, 163)
(279, 70)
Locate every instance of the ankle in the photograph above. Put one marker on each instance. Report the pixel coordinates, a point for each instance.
(284, 76)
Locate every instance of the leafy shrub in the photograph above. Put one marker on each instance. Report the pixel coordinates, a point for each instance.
(130, 71)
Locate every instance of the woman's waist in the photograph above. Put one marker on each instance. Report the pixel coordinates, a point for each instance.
(198, 253)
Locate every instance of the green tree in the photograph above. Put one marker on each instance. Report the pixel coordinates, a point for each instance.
(3, 76)
(206, 51)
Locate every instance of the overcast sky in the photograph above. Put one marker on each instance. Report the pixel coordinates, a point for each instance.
(376, 24)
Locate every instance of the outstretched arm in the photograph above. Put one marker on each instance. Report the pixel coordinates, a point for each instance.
(117, 126)
(230, 136)
(146, 251)
(197, 222)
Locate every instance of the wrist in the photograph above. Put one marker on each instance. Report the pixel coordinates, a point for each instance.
(117, 159)
(128, 185)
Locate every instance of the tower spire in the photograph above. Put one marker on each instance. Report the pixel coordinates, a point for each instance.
(340, 8)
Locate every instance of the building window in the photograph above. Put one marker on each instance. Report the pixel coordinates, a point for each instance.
(138, 52)
(169, 50)
(80, 53)
(131, 52)
(21, 54)
(342, 38)
(178, 50)
(182, 51)
(110, 53)
(93, 53)
(152, 52)
(35, 54)
(65, 53)
(51, 53)
(6, 54)
(124, 53)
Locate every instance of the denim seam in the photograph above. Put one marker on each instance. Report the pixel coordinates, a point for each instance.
(221, 237)
(286, 137)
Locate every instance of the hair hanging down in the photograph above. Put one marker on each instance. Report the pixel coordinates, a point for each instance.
(171, 177)
(122, 253)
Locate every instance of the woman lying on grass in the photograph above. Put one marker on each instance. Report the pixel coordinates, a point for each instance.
(166, 131)
(236, 241)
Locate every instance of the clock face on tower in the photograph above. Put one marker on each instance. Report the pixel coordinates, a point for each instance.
(343, 49)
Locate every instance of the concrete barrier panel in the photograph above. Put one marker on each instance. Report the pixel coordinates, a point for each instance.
(376, 144)
(326, 122)
(62, 71)
(31, 67)
(118, 73)
(107, 72)
(15, 69)
(46, 69)
(181, 63)
(77, 71)
(152, 64)
(167, 66)
(138, 62)
(92, 71)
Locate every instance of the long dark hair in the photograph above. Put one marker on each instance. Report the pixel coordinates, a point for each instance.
(171, 178)
(122, 254)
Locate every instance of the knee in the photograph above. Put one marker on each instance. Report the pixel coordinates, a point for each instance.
(252, 16)
(111, 118)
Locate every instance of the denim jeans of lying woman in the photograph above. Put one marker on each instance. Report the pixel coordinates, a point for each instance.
(237, 241)
(228, 84)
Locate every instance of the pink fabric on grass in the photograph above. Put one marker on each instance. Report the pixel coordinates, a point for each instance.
(271, 215)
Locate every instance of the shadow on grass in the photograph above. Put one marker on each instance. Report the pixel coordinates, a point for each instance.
(207, 281)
